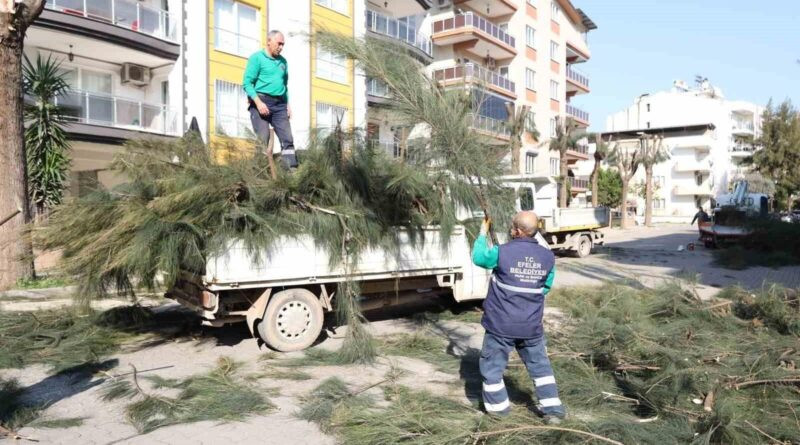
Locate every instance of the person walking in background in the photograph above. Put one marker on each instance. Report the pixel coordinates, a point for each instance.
(701, 217)
(522, 274)
(266, 81)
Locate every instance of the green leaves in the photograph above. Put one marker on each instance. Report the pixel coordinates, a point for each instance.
(779, 158)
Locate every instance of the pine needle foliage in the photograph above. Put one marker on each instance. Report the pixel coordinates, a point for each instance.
(64, 338)
(181, 206)
(633, 366)
(330, 400)
(218, 395)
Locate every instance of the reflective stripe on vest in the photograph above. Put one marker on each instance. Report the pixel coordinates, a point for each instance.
(524, 290)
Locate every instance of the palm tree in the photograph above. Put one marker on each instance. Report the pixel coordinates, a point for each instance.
(516, 124)
(566, 139)
(627, 161)
(600, 153)
(653, 152)
(46, 141)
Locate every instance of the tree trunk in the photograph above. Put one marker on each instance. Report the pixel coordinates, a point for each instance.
(515, 152)
(16, 253)
(648, 196)
(564, 172)
(624, 222)
(595, 174)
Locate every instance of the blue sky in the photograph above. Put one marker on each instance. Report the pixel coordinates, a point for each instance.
(748, 48)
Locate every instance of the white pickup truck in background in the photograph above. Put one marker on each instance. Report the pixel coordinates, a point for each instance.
(283, 294)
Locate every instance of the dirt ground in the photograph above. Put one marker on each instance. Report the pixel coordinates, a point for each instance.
(646, 256)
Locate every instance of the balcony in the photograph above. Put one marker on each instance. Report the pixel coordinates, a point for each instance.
(392, 148)
(394, 29)
(126, 14)
(492, 8)
(692, 190)
(577, 52)
(111, 111)
(577, 83)
(118, 30)
(742, 127)
(577, 185)
(472, 73)
(377, 91)
(491, 127)
(473, 33)
(577, 153)
(581, 117)
(740, 150)
(690, 166)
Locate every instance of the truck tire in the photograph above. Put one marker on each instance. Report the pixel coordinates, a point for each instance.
(583, 247)
(292, 321)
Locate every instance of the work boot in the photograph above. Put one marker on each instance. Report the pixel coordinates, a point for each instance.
(553, 419)
(289, 160)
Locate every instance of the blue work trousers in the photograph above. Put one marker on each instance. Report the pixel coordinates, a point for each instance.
(278, 117)
(533, 352)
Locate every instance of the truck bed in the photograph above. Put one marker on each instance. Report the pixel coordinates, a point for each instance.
(300, 261)
(569, 220)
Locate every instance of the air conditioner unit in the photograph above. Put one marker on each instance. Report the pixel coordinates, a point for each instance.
(135, 74)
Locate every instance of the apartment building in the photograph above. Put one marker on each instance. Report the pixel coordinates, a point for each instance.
(706, 135)
(123, 62)
(323, 89)
(505, 51)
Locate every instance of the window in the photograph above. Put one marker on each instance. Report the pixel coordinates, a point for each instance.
(554, 50)
(231, 114)
(555, 166)
(553, 90)
(236, 28)
(530, 163)
(328, 116)
(659, 204)
(87, 182)
(331, 66)
(530, 79)
(530, 123)
(526, 195)
(554, 9)
(659, 181)
(648, 108)
(530, 36)
(648, 125)
(552, 127)
(339, 6)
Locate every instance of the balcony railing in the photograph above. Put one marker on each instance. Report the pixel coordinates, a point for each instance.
(112, 111)
(743, 126)
(378, 88)
(392, 148)
(577, 113)
(583, 149)
(489, 125)
(129, 14)
(476, 21)
(577, 77)
(576, 183)
(471, 71)
(396, 29)
(742, 149)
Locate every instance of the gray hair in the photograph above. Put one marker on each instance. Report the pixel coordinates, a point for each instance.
(272, 34)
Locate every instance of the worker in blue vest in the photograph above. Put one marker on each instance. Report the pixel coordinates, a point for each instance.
(522, 274)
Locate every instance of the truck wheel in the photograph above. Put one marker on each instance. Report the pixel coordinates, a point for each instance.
(584, 247)
(292, 321)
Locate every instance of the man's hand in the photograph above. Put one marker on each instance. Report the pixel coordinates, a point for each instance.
(288, 111)
(485, 226)
(262, 108)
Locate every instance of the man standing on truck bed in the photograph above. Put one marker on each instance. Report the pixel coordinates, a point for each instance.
(266, 80)
(523, 272)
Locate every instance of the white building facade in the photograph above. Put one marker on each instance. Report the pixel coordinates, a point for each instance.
(123, 62)
(706, 137)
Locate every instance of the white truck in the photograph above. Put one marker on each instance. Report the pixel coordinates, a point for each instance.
(283, 293)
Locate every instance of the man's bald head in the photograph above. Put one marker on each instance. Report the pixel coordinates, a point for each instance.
(524, 224)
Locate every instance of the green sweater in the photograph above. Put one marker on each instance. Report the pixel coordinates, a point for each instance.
(266, 75)
(486, 257)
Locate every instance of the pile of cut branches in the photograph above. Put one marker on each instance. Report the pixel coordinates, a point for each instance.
(181, 206)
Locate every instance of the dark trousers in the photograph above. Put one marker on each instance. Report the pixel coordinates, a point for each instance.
(493, 362)
(279, 119)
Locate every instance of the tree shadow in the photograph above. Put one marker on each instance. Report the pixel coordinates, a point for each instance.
(65, 384)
